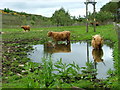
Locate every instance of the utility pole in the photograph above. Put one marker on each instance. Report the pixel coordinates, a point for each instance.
(94, 16)
(93, 3)
(86, 17)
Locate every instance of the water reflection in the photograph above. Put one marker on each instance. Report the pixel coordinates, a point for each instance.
(57, 48)
(97, 55)
(79, 52)
(87, 51)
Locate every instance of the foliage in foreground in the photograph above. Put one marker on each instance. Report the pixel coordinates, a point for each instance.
(53, 75)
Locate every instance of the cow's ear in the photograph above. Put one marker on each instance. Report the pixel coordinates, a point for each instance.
(93, 38)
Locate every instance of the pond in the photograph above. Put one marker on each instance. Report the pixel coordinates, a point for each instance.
(78, 52)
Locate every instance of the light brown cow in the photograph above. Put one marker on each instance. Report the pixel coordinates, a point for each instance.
(97, 42)
(26, 27)
(60, 36)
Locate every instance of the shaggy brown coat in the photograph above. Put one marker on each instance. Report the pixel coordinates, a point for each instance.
(97, 42)
(60, 36)
(26, 27)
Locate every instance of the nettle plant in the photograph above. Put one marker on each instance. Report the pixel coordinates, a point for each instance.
(49, 74)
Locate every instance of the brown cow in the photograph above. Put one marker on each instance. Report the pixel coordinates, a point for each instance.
(26, 27)
(60, 36)
(97, 41)
(96, 23)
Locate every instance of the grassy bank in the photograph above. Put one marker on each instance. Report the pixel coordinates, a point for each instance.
(19, 73)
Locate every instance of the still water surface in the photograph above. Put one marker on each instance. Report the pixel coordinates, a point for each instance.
(80, 53)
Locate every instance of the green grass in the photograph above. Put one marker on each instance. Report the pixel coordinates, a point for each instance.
(17, 43)
(77, 33)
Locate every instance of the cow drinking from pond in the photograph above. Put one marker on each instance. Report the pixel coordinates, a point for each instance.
(97, 42)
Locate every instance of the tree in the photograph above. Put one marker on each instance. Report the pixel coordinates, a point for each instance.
(101, 16)
(61, 17)
(7, 10)
(34, 18)
(111, 7)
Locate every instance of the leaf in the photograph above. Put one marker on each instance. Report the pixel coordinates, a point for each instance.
(58, 70)
(58, 66)
(83, 67)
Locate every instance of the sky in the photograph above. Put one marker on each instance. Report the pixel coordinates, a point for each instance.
(48, 7)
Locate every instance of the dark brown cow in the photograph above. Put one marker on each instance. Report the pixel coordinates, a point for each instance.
(97, 23)
(26, 27)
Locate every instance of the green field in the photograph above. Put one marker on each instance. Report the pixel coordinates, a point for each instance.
(17, 43)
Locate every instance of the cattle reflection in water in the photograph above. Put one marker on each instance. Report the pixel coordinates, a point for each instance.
(97, 56)
(56, 48)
